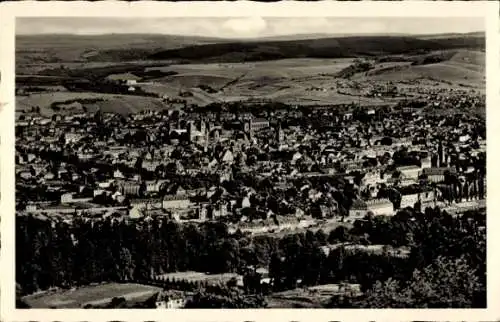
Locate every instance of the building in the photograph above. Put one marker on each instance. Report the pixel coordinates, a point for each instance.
(130, 188)
(175, 202)
(409, 172)
(436, 175)
(66, 198)
(409, 200)
(150, 165)
(154, 185)
(219, 210)
(72, 137)
(360, 208)
(426, 162)
(373, 177)
(171, 300)
(255, 124)
(280, 135)
(125, 78)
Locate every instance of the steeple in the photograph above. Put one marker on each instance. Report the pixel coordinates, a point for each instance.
(280, 135)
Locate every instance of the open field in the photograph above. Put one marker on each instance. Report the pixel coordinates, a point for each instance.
(122, 104)
(98, 294)
(308, 297)
(309, 81)
(302, 72)
(296, 298)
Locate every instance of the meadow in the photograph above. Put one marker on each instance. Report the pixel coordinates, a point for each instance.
(93, 294)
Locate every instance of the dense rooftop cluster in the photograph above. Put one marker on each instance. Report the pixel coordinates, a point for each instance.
(261, 171)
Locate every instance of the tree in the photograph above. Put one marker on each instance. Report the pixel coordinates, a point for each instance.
(321, 237)
(340, 234)
(446, 283)
(125, 264)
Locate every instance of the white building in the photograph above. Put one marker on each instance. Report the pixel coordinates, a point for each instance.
(409, 172)
(175, 202)
(377, 207)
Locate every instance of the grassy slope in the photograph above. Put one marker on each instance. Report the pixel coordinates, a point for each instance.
(289, 80)
(122, 104)
(99, 293)
(466, 66)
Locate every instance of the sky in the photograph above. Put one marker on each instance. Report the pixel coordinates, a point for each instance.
(247, 27)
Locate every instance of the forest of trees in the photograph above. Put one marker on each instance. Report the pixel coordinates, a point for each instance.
(56, 254)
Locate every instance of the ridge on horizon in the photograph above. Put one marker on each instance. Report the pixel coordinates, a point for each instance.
(276, 37)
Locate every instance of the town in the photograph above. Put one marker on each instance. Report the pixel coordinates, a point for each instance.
(276, 171)
(187, 171)
(286, 165)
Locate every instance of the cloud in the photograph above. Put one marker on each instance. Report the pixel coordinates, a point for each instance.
(235, 27)
(251, 26)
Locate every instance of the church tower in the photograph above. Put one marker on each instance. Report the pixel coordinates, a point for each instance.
(280, 135)
(440, 152)
(191, 130)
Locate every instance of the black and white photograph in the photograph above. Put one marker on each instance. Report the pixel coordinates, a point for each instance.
(250, 162)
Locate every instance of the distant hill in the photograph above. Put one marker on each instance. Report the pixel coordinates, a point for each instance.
(139, 47)
(339, 47)
(64, 48)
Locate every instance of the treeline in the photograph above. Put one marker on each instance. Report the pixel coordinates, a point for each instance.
(105, 86)
(57, 106)
(432, 58)
(56, 254)
(99, 72)
(358, 66)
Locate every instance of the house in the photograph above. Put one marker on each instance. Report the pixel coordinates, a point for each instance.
(410, 199)
(125, 78)
(372, 177)
(135, 213)
(25, 175)
(409, 172)
(228, 157)
(201, 212)
(146, 203)
(321, 211)
(171, 300)
(245, 202)
(150, 165)
(219, 211)
(347, 116)
(118, 174)
(72, 137)
(154, 185)
(426, 162)
(66, 198)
